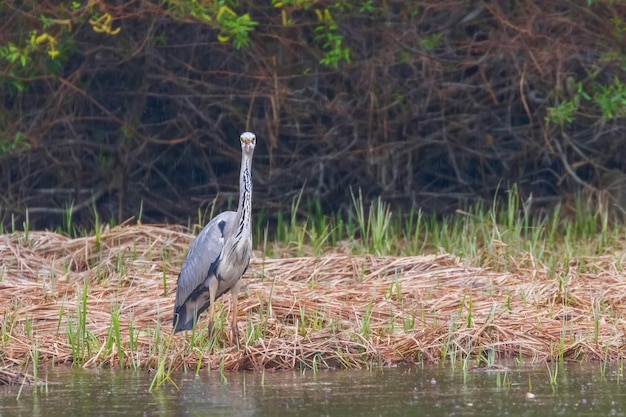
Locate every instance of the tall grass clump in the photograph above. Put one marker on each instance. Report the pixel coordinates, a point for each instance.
(374, 225)
(79, 338)
(163, 366)
(507, 233)
(114, 338)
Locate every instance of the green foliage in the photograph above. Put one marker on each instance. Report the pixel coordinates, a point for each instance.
(327, 32)
(431, 42)
(563, 114)
(184, 9)
(23, 55)
(619, 26)
(304, 4)
(367, 7)
(17, 143)
(611, 99)
(40, 52)
(14, 54)
(233, 27)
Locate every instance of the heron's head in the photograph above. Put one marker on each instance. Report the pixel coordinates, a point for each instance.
(248, 141)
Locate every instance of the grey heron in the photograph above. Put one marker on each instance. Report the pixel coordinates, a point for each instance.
(218, 256)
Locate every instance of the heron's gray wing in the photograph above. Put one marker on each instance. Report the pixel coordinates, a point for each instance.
(202, 256)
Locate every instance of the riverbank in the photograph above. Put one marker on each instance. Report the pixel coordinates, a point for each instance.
(107, 300)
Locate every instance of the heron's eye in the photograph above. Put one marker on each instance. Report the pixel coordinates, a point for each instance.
(247, 139)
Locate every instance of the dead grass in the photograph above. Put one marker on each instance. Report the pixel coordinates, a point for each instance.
(336, 310)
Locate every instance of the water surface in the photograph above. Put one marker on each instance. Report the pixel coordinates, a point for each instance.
(580, 390)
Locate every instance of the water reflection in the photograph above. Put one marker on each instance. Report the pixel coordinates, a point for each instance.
(580, 390)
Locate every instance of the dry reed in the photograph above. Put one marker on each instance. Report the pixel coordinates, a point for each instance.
(335, 310)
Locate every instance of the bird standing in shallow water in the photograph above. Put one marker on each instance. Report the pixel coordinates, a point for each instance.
(219, 255)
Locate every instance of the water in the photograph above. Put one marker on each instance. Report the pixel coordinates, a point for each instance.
(581, 390)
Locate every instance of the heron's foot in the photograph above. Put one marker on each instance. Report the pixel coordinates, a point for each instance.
(210, 330)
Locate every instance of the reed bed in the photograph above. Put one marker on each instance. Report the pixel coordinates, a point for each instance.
(107, 300)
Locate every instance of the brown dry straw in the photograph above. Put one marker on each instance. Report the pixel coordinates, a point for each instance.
(336, 310)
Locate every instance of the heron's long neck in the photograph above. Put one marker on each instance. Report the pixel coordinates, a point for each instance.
(245, 195)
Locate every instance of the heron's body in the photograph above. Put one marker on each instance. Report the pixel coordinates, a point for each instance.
(219, 255)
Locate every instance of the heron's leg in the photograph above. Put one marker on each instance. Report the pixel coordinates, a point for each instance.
(234, 291)
(213, 283)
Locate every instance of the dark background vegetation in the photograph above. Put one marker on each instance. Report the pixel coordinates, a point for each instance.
(124, 107)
